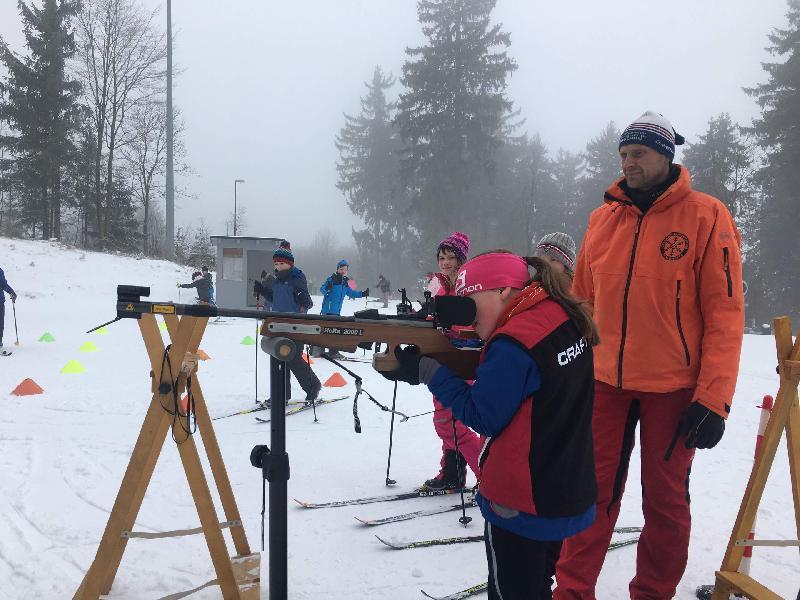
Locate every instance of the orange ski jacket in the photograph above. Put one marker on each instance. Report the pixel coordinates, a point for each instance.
(667, 294)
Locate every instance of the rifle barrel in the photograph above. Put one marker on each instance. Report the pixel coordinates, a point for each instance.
(134, 308)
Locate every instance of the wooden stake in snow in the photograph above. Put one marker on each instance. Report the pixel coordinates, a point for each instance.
(785, 415)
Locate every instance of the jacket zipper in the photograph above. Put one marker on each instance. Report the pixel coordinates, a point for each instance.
(678, 319)
(727, 267)
(625, 301)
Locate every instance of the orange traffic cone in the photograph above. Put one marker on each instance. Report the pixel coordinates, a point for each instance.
(28, 387)
(335, 380)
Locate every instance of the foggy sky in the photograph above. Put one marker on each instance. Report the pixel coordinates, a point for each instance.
(264, 85)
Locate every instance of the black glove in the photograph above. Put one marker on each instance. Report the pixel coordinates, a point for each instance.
(366, 292)
(408, 370)
(13, 297)
(703, 427)
(257, 288)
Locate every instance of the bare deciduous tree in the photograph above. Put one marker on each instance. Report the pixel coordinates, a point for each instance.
(121, 65)
(144, 154)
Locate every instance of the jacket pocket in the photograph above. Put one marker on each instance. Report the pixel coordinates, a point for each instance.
(726, 265)
(678, 322)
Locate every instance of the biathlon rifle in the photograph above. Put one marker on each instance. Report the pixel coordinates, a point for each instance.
(424, 329)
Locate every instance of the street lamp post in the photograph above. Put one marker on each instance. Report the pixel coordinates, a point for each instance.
(235, 182)
(169, 209)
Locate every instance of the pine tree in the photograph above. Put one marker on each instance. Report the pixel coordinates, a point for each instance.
(567, 169)
(41, 108)
(721, 164)
(778, 133)
(601, 169)
(452, 116)
(369, 167)
(201, 251)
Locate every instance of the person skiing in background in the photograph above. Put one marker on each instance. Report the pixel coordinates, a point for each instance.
(451, 254)
(207, 276)
(558, 249)
(202, 285)
(384, 286)
(289, 293)
(334, 290)
(5, 288)
(661, 267)
(532, 399)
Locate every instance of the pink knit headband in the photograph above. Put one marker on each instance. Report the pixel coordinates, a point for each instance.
(491, 272)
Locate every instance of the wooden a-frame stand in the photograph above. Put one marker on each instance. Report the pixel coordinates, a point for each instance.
(785, 414)
(238, 578)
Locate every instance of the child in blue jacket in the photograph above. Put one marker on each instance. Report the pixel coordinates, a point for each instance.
(289, 293)
(336, 288)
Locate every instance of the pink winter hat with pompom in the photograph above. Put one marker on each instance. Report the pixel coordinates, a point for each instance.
(458, 243)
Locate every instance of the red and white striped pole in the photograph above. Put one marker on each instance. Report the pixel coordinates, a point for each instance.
(766, 411)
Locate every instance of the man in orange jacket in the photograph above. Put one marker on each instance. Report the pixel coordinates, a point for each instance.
(660, 265)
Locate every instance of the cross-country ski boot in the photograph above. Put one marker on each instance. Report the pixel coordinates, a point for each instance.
(453, 474)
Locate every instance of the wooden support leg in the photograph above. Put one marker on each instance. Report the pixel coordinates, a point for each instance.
(219, 472)
(722, 590)
(208, 516)
(772, 436)
(793, 445)
(185, 334)
(101, 574)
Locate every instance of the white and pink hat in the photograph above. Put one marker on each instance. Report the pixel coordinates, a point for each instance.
(490, 272)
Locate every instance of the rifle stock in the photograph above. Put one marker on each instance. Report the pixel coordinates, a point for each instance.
(347, 333)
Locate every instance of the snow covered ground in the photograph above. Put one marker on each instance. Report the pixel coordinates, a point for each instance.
(63, 455)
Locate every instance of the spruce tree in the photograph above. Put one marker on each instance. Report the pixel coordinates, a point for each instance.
(721, 164)
(41, 108)
(567, 201)
(601, 169)
(369, 167)
(452, 116)
(778, 133)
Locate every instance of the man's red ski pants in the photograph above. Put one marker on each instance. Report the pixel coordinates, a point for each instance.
(664, 542)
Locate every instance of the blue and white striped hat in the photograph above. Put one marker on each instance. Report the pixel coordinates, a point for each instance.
(654, 131)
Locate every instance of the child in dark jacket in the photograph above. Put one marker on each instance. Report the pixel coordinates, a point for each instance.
(532, 401)
(4, 288)
(202, 285)
(289, 293)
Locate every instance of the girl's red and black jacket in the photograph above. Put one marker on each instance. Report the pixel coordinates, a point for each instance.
(533, 395)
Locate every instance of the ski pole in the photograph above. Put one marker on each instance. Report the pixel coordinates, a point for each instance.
(389, 481)
(256, 347)
(14, 309)
(313, 400)
(464, 519)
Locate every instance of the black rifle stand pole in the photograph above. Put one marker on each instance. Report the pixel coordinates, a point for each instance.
(281, 351)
